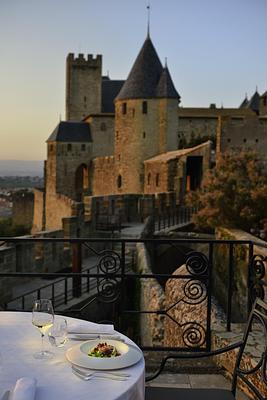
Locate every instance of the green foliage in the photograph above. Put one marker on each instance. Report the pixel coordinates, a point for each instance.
(233, 194)
(9, 230)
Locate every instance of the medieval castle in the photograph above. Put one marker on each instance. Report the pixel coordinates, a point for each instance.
(123, 146)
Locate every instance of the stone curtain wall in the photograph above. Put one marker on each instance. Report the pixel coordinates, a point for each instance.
(240, 268)
(152, 298)
(22, 209)
(58, 207)
(192, 127)
(38, 211)
(29, 257)
(195, 122)
(103, 177)
(242, 133)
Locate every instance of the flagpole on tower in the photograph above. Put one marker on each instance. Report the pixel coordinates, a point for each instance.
(148, 18)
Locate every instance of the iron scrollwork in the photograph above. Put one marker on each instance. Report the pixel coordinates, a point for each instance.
(194, 334)
(108, 286)
(193, 296)
(109, 264)
(195, 292)
(197, 263)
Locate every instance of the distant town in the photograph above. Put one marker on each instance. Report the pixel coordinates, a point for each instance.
(17, 175)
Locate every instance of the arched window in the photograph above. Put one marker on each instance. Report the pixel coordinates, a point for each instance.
(51, 147)
(83, 147)
(119, 181)
(144, 135)
(69, 147)
(149, 178)
(157, 180)
(103, 126)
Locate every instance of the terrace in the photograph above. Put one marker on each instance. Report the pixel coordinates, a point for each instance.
(171, 296)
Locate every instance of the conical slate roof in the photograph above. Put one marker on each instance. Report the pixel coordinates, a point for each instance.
(165, 88)
(244, 103)
(69, 131)
(144, 75)
(254, 102)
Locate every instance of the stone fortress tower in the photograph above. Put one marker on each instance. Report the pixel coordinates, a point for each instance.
(83, 86)
(126, 139)
(145, 119)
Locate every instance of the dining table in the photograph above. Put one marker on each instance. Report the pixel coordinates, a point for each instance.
(19, 340)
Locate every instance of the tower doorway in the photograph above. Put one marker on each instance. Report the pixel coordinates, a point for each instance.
(81, 181)
(194, 170)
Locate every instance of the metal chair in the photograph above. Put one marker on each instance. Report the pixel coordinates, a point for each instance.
(258, 315)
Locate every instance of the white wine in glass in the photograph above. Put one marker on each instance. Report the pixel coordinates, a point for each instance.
(43, 319)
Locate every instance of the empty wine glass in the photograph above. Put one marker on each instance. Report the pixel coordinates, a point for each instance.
(58, 333)
(43, 319)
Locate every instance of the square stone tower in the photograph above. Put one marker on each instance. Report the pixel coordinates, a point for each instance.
(83, 86)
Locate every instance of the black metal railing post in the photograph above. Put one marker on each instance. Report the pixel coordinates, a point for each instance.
(123, 296)
(53, 293)
(230, 287)
(88, 281)
(209, 289)
(76, 268)
(249, 280)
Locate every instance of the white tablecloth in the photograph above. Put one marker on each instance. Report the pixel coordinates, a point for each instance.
(19, 340)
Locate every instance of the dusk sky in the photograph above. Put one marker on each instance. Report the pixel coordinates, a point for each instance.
(216, 51)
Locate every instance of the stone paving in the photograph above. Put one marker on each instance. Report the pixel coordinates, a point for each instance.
(194, 381)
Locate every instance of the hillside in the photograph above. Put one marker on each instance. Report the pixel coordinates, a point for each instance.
(21, 168)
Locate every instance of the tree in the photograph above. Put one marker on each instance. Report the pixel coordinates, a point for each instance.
(233, 194)
(7, 229)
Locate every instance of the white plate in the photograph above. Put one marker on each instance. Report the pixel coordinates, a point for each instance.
(78, 355)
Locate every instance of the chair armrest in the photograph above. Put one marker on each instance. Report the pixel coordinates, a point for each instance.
(188, 356)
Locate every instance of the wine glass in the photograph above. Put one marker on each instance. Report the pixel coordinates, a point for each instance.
(58, 333)
(43, 319)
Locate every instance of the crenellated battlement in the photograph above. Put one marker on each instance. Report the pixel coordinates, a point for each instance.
(83, 85)
(89, 60)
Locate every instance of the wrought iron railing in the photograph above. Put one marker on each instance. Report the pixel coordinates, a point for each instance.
(187, 268)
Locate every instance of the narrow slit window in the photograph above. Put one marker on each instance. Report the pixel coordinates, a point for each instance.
(124, 108)
(144, 107)
(119, 181)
